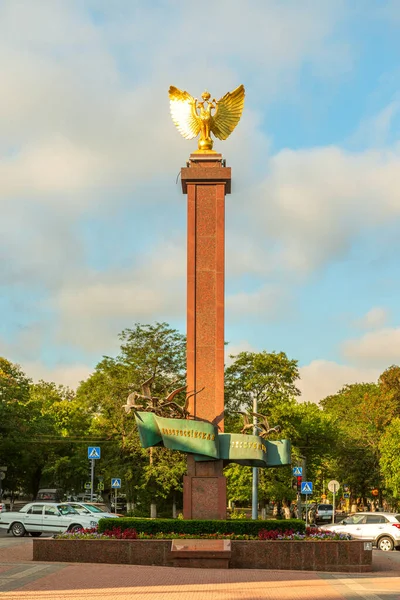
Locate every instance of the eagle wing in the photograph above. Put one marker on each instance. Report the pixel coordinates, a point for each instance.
(229, 111)
(183, 113)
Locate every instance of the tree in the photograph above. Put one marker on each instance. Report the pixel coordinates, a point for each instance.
(146, 351)
(390, 459)
(14, 424)
(62, 425)
(362, 412)
(268, 377)
(39, 425)
(238, 483)
(313, 434)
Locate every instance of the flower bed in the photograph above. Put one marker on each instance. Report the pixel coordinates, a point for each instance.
(310, 534)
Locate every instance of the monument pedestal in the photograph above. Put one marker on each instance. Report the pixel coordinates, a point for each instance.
(204, 490)
(205, 181)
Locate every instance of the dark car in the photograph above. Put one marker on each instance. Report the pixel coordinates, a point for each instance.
(49, 495)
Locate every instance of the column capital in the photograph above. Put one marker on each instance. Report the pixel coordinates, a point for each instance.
(203, 169)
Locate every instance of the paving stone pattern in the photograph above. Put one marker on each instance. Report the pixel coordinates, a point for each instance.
(23, 579)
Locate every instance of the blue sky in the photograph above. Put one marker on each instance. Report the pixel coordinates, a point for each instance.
(93, 221)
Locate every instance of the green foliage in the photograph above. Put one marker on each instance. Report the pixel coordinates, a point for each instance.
(37, 423)
(238, 482)
(312, 431)
(238, 526)
(390, 459)
(269, 377)
(238, 514)
(164, 474)
(362, 413)
(146, 351)
(353, 436)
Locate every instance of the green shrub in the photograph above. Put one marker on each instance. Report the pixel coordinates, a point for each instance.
(238, 526)
(237, 514)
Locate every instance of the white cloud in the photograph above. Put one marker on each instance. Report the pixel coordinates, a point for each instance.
(322, 378)
(93, 306)
(232, 350)
(63, 374)
(378, 348)
(375, 131)
(269, 300)
(84, 121)
(374, 318)
(25, 345)
(315, 202)
(73, 118)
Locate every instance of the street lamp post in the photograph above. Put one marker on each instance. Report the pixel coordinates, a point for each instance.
(254, 504)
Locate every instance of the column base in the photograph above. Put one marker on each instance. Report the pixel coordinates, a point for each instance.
(204, 490)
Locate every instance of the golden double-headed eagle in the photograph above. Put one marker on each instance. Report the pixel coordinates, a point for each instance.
(193, 117)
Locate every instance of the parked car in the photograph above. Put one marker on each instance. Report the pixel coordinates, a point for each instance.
(50, 495)
(323, 513)
(3, 507)
(96, 509)
(45, 517)
(380, 528)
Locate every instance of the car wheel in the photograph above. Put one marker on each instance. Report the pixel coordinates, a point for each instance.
(385, 544)
(74, 528)
(36, 533)
(18, 530)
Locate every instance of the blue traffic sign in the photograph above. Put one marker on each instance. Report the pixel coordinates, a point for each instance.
(115, 482)
(297, 471)
(306, 487)
(93, 452)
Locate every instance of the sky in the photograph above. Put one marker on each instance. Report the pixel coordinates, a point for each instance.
(92, 215)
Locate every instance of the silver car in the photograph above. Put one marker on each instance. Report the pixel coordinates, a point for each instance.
(48, 518)
(323, 513)
(96, 510)
(380, 528)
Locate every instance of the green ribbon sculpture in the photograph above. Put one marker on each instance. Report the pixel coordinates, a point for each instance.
(203, 441)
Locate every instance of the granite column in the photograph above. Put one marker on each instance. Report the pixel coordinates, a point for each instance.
(205, 180)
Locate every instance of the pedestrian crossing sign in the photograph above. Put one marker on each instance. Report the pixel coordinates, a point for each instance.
(93, 452)
(306, 487)
(297, 471)
(115, 482)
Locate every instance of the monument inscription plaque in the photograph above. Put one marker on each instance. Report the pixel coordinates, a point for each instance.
(214, 554)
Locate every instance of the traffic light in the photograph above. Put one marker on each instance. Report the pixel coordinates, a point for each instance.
(296, 483)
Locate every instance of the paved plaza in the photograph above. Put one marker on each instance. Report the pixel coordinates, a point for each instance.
(21, 578)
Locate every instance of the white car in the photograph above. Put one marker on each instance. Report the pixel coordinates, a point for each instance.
(380, 528)
(95, 510)
(47, 518)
